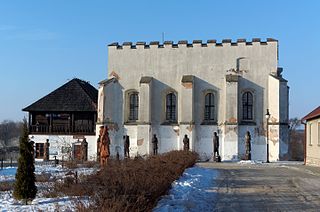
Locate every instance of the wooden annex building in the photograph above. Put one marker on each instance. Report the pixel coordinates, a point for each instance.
(62, 123)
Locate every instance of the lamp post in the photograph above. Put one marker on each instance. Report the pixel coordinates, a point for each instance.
(267, 117)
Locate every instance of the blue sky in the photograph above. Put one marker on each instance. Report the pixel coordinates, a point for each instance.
(45, 43)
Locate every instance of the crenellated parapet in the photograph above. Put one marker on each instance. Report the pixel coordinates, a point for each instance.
(194, 43)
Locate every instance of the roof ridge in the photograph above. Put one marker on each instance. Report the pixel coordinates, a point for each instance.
(79, 81)
(313, 114)
(74, 95)
(45, 96)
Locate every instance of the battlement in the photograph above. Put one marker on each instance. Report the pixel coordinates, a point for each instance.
(194, 43)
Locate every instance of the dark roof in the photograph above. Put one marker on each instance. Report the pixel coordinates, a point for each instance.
(74, 96)
(314, 114)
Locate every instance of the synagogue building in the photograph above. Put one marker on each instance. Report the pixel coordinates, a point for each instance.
(196, 88)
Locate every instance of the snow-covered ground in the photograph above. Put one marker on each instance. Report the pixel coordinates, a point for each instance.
(40, 203)
(191, 192)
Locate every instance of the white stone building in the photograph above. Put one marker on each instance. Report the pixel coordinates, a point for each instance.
(312, 137)
(194, 89)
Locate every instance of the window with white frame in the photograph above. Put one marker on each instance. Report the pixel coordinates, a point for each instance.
(171, 106)
(133, 106)
(247, 106)
(209, 107)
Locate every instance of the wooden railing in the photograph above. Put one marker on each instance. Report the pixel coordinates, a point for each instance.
(61, 129)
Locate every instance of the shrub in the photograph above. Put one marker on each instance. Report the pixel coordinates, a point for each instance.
(132, 184)
(24, 187)
(6, 186)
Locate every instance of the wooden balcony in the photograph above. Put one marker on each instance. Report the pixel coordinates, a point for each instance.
(62, 129)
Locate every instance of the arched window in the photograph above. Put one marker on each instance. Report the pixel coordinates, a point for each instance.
(209, 107)
(133, 106)
(247, 106)
(171, 104)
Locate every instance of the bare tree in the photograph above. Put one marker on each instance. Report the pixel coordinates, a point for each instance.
(8, 130)
(296, 137)
(294, 123)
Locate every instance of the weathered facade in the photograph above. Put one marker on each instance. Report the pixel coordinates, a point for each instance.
(62, 124)
(312, 137)
(195, 89)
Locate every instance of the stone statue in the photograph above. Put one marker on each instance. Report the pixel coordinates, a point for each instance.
(155, 144)
(98, 143)
(84, 150)
(104, 147)
(186, 143)
(126, 146)
(217, 157)
(248, 145)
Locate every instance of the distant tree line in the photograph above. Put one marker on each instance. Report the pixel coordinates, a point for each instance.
(9, 130)
(296, 139)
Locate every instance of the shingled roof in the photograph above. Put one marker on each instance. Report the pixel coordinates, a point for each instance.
(314, 114)
(74, 96)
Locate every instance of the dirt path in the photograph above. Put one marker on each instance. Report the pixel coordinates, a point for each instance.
(266, 187)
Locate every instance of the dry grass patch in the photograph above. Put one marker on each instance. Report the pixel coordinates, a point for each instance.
(6, 186)
(132, 184)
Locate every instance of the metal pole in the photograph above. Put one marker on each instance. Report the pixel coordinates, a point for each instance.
(268, 141)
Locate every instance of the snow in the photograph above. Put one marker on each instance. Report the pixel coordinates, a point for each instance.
(193, 191)
(56, 173)
(8, 174)
(250, 162)
(7, 203)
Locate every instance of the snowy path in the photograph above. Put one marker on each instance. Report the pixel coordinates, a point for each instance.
(191, 192)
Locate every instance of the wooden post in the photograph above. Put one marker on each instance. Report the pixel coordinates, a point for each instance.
(94, 122)
(72, 122)
(29, 123)
(50, 123)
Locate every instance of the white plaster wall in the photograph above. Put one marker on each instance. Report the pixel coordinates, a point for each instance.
(209, 65)
(188, 130)
(144, 102)
(274, 142)
(58, 141)
(132, 132)
(167, 138)
(313, 147)
(230, 143)
(144, 140)
(273, 98)
(258, 143)
(204, 141)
